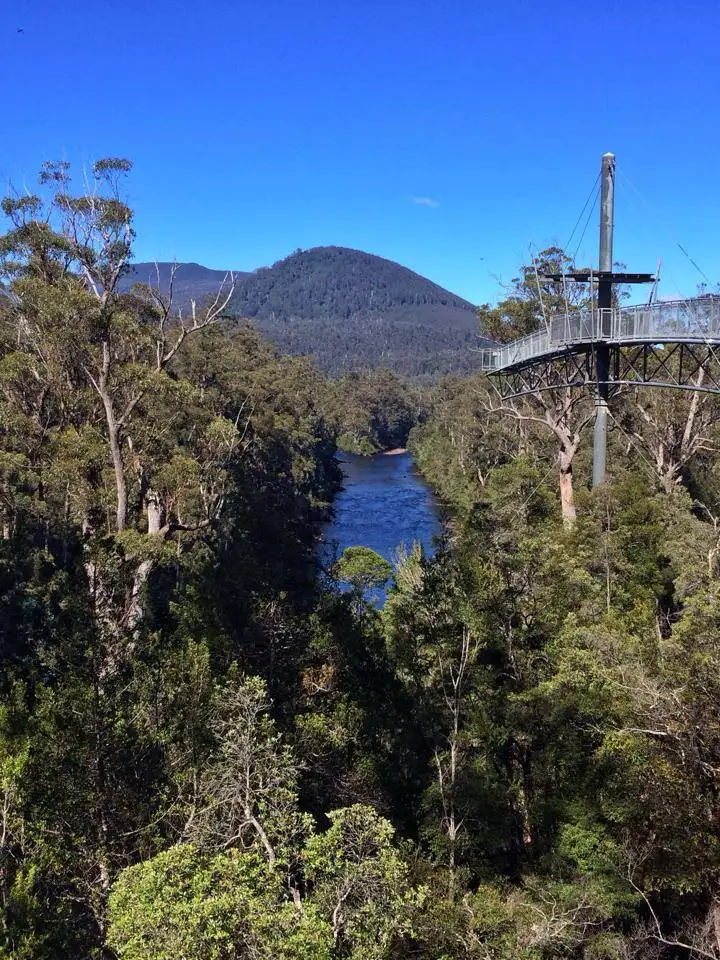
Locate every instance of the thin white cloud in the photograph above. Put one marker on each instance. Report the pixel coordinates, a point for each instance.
(425, 202)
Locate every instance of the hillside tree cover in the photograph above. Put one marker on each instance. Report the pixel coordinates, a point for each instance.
(584, 672)
(351, 311)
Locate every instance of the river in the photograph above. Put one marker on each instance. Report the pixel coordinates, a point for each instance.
(384, 503)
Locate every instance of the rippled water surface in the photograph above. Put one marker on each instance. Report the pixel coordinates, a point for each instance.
(384, 503)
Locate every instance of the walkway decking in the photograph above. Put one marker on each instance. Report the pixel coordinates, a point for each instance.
(681, 321)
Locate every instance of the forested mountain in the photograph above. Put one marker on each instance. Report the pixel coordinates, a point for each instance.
(350, 310)
(347, 309)
(339, 282)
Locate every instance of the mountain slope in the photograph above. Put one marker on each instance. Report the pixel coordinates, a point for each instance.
(339, 282)
(351, 309)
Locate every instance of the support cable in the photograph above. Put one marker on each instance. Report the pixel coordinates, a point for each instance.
(634, 442)
(535, 489)
(644, 237)
(592, 210)
(702, 274)
(577, 222)
(539, 290)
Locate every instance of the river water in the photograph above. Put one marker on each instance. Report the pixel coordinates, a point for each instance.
(384, 503)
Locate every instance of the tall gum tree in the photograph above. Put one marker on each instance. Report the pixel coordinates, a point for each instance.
(673, 426)
(563, 412)
(79, 336)
(96, 425)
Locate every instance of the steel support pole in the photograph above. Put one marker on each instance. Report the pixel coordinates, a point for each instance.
(601, 415)
(604, 302)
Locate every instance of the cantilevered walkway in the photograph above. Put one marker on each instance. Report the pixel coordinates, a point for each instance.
(668, 344)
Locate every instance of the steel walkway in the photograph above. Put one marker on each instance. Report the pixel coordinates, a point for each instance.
(694, 321)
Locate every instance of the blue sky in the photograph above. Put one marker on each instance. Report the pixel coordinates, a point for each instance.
(257, 128)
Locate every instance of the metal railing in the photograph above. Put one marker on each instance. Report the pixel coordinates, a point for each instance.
(697, 319)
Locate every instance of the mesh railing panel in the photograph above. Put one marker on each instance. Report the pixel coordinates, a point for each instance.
(695, 319)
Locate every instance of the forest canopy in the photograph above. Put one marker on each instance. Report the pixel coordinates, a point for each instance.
(209, 750)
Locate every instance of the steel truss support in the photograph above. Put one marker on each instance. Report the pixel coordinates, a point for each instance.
(569, 369)
(673, 365)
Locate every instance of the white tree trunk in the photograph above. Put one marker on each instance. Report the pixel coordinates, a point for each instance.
(567, 495)
(153, 511)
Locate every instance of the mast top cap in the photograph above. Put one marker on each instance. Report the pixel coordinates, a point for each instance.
(606, 155)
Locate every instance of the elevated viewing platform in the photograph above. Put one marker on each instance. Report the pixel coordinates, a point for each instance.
(693, 321)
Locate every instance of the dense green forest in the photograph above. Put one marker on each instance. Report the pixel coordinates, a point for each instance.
(412, 342)
(373, 410)
(351, 310)
(337, 281)
(208, 751)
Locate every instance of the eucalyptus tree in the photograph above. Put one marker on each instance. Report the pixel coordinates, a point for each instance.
(90, 368)
(563, 412)
(676, 429)
(107, 456)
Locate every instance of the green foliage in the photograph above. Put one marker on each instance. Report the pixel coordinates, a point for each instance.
(374, 411)
(532, 298)
(146, 465)
(517, 757)
(181, 904)
(247, 790)
(360, 880)
(364, 447)
(362, 568)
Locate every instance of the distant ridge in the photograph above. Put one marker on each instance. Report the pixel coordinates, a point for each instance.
(192, 281)
(346, 308)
